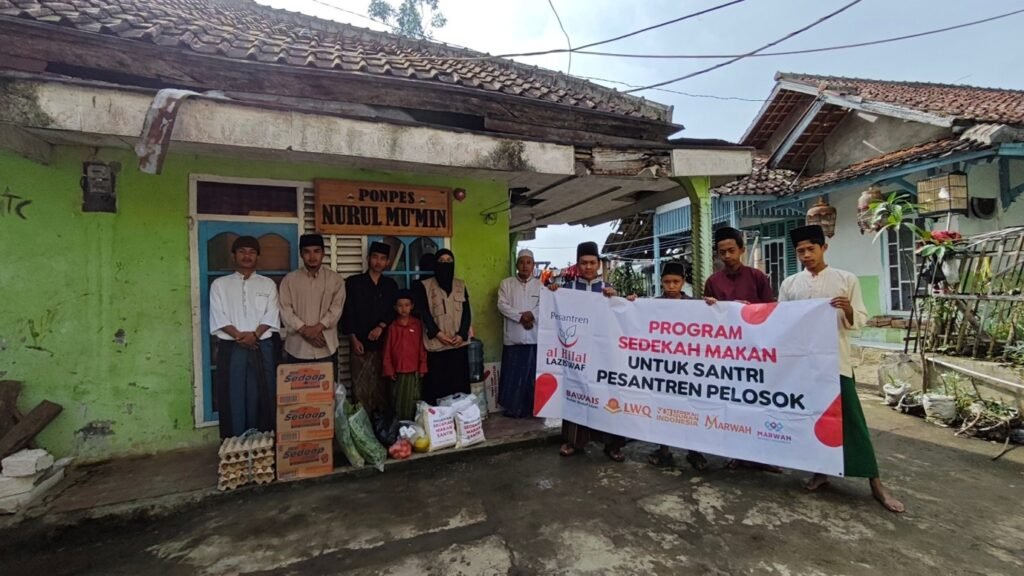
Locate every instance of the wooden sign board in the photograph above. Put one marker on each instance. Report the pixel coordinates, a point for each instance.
(380, 209)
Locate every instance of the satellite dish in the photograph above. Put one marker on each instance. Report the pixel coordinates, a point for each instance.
(983, 208)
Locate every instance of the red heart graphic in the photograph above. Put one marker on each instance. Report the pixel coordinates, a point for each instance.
(829, 428)
(544, 388)
(757, 313)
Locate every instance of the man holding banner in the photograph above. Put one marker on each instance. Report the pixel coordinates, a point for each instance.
(737, 282)
(576, 436)
(818, 280)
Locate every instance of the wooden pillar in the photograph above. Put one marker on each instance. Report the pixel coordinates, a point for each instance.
(698, 189)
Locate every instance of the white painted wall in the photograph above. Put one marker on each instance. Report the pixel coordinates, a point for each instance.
(856, 139)
(983, 182)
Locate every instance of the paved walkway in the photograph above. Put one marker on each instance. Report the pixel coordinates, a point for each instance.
(531, 512)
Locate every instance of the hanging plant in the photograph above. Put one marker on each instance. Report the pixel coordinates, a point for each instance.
(893, 213)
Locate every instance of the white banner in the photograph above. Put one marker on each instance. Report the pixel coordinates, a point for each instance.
(758, 382)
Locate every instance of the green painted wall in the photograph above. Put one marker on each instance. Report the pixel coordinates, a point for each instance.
(871, 293)
(96, 308)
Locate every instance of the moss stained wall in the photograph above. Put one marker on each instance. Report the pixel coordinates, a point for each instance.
(96, 308)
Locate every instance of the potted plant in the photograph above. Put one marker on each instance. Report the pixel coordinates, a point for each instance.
(943, 248)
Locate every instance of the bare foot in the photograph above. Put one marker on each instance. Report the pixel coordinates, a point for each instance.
(885, 498)
(816, 481)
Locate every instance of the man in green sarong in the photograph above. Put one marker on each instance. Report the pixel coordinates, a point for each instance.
(818, 280)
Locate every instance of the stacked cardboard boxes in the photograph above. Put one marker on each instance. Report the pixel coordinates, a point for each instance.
(305, 420)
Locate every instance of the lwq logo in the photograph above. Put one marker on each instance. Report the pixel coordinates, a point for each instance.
(568, 336)
(774, 432)
(613, 406)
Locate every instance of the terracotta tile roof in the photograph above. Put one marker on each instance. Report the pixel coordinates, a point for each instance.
(245, 31)
(962, 102)
(927, 151)
(763, 181)
(777, 182)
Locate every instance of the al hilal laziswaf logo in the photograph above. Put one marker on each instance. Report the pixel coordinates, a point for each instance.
(567, 336)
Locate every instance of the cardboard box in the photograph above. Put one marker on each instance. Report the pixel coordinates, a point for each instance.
(306, 421)
(302, 383)
(297, 460)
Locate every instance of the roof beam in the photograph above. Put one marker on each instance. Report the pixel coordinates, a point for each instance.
(810, 113)
(880, 108)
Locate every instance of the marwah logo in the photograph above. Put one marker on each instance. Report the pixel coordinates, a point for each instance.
(568, 336)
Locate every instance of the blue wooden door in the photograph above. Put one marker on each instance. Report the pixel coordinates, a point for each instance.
(278, 256)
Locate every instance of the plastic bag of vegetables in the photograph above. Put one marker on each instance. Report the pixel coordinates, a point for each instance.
(365, 440)
(343, 434)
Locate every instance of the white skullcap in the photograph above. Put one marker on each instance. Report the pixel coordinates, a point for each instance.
(524, 252)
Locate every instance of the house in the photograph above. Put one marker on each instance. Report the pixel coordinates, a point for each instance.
(829, 139)
(139, 137)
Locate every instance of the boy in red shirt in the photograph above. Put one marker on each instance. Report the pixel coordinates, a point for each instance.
(405, 358)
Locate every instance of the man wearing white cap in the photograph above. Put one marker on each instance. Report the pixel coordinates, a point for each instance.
(519, 304)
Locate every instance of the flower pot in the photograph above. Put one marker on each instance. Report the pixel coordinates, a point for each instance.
(939, 408)
(951, 270)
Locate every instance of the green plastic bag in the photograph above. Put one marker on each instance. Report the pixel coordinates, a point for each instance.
(366, 441)
(343, 433)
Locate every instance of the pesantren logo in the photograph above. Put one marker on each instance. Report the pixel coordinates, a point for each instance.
(567, 336)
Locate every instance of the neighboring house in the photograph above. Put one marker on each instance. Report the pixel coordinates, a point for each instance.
(139, 137)
(820, 137)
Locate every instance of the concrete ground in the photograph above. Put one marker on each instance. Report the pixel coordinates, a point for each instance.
(531, 512)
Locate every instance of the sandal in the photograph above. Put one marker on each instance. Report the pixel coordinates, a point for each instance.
(569, 450)
(660, 458)
(697, 460)
(614, 454)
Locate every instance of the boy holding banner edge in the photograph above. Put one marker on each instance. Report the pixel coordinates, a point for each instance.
(673, 279)
(818, 280)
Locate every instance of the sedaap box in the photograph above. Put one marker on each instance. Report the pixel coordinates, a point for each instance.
(303, 383)
(305, 421)
(297, 460)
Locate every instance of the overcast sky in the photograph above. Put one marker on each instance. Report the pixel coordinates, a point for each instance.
(983, 55)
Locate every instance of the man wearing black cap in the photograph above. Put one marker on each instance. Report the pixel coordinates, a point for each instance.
(588, 265)
(736, 281)
(673, 279)
(243, 317)
(312, 298)
(819, 280)
(369, 309)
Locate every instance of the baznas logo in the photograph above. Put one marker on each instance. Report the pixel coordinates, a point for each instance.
(613, 406)
(568, 336)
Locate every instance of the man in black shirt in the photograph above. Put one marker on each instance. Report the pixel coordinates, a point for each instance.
(369, 309)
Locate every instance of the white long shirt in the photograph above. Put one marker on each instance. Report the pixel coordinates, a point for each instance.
(514, 298)
(830, 283)
(244, 303)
